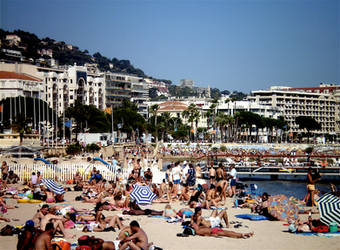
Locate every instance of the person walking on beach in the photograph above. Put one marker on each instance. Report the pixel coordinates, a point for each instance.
(176, 174)
(311, 180)
(233, 177)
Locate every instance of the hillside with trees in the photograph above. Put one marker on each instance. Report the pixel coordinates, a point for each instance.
(64, 54)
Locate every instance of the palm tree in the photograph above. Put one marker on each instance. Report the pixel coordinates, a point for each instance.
(192, 114)
(222, 121)
(212, 112)
(166, 117)
(231, 126)
(154, 110)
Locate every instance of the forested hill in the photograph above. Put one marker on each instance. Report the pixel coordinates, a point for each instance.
(65, 54)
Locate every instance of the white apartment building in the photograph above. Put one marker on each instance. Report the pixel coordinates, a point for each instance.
(15, 84)
(140, 94)
(62, 86)
(321, 103)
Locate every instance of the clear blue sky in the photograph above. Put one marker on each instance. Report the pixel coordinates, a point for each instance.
(235, 45)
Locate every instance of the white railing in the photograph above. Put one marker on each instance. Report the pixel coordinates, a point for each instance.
(60, 172)
(65, 172)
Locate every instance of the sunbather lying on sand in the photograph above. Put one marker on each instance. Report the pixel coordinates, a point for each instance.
(205, 231)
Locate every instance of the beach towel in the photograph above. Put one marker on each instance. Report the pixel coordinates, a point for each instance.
(251, 217)
(320, 234)
(161, 217)
(174, 220)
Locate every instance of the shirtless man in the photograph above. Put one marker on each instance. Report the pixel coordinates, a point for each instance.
(4, 172)
(219, 173)
(137, 241)
(212, 175)
(56, 220)
(28, 236)
(40, 215)
(43, 242)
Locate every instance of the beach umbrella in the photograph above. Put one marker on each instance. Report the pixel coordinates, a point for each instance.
(281, 208)
(53, 186)
(142, 195)
(329, 207)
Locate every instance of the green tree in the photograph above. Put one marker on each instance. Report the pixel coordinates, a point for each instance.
(154, 111)
(192, 114)
(308, 123)
(222, 120)
(128, 117)
(89, 118)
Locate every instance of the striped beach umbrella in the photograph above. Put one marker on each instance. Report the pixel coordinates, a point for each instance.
(329, 207)
(142, 195)
(53, 186)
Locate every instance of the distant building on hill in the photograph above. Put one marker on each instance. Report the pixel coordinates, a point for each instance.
(186, 83)
(13, 40)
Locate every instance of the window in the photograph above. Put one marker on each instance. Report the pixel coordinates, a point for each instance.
(71, 97)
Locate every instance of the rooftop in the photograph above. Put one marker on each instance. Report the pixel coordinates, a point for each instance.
(172, 106)
(13, 75)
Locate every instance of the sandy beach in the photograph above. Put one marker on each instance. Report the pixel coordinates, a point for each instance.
(268, 234)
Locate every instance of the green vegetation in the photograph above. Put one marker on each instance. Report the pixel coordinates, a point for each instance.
(74, 149)
(65, 55)
(88, 118)
(126, 119)
(92, 148)
(308, 123)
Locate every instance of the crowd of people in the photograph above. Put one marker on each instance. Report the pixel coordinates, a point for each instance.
(180, 184)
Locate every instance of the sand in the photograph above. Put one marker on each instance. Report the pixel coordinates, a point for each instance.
(268, 234)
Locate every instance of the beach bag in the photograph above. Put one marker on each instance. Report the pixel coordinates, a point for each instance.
(61, 245)
(7, 230)
(189, 231)
(320, 229)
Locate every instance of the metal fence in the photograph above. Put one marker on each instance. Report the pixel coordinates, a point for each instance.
(61, 172)
(65, 172)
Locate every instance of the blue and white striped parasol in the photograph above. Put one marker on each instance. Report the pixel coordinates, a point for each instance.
(142, 195)
(329, 207)
(53, 186)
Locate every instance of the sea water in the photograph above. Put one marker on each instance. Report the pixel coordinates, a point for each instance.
(289, 188)
(295, 188)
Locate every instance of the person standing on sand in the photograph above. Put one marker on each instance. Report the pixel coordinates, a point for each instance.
(43, 242)
(138, 240)
(212, 175)
(311, 180)
(4, 172)
(233, 177)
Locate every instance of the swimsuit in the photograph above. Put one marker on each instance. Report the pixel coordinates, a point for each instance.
(215, 221)
(215, 230)
(50, 200)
